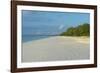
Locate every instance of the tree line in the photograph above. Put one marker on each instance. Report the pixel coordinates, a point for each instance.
(80, 30)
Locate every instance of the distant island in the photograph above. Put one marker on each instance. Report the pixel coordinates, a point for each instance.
(80, 30)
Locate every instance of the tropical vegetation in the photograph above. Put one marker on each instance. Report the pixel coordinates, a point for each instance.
(80, 30)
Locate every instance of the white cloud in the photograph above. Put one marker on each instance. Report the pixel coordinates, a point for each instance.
(61, 27)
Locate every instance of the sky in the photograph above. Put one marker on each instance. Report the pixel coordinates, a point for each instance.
(50, 22)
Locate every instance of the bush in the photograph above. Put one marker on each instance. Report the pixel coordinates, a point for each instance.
(81, 30)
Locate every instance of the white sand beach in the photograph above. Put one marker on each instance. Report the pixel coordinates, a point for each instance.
(56, 48)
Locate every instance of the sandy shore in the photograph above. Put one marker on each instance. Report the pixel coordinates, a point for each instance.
(56, 48)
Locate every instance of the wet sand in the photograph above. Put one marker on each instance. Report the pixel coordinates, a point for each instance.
(57, 48)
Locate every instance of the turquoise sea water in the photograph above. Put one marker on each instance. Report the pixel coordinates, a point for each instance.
(26, 38)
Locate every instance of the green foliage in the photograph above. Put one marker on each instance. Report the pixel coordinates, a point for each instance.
(81, 30)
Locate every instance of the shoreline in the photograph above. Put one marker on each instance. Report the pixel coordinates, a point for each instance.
(81, 38)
